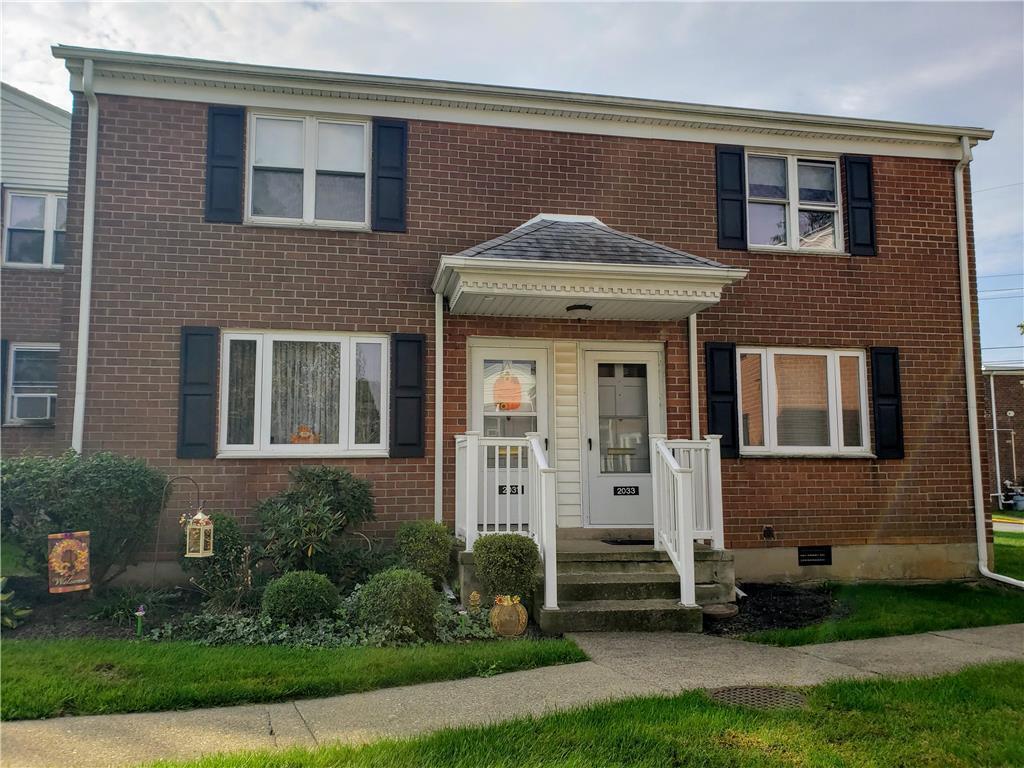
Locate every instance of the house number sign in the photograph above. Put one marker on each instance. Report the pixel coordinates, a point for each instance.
(626, 490)
(511, 490)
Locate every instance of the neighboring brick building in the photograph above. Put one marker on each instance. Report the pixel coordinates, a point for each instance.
(268, 275)
(34, 139)
(1004, 397)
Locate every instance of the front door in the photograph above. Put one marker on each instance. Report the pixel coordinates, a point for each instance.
(623, 404)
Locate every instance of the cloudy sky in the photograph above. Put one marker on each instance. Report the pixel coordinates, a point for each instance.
(955, 63)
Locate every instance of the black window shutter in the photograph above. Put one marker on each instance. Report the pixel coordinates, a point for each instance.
(732, 198)
(887, 402)
(720, 368)
(225, 164)
(860, 205)
(3, 380)
(390, 139)
(408, 395)
(197, 399)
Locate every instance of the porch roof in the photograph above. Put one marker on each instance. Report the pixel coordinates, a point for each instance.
(553, 263)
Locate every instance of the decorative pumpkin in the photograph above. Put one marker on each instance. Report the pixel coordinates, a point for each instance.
(508, 616)
(508, 391)
(304, 434)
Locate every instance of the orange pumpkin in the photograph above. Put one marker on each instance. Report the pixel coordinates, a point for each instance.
(508, 392)
(304, 435)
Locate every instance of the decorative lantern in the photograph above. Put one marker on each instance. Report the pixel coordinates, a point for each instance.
(199, 536)
(508, 391)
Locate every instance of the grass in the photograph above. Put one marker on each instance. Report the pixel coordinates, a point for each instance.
(973, 718)
(1009, 554)
(882, 610)
(47, 678)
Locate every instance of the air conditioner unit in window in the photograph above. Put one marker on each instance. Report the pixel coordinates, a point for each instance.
(34, 407)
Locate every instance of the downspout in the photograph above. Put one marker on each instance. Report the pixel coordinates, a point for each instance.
(972, 395)
(438, 405)
(85, 290)
(694, 391)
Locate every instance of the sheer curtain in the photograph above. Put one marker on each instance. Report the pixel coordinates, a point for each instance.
(305, 392)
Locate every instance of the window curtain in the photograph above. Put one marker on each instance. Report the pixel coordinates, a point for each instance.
(305, 392)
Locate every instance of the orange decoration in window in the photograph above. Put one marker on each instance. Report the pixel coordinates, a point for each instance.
(508, 392)
(304, 435)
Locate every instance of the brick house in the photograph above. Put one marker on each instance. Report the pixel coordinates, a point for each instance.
(736, 333)
(34, 141)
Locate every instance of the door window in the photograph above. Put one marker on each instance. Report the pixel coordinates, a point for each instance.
(622, 418)
(510, 397)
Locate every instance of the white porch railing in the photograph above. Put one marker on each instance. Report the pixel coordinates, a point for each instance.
(687, 481)
(505, 485)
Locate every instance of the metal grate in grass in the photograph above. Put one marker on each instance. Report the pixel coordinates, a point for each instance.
(758, 697)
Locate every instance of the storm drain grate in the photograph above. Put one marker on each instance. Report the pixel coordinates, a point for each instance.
(759, 698)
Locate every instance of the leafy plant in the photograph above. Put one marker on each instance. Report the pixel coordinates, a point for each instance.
(506, 564)
(119, 604)
(11, 615)
(300, 597)
(303, 524)
(426, 546)
(454, 626)
(399, 597)
(226, 577)
(117, 499)
(354, 559)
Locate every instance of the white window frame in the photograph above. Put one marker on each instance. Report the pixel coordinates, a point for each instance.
(49, 226)
(792, 202)
(20, 346)
(309, 155)
(770, 405)
(261, 446)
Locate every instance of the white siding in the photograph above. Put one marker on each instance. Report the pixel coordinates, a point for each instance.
(567, 435)
(34, 143)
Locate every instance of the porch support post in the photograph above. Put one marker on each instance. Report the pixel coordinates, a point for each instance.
(472, 487)
(656, 490)
(715, 491)
(684, 509)
(694, 385)
(548, 480)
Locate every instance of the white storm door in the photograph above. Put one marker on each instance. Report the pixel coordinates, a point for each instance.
(508, 400)
(623, 406)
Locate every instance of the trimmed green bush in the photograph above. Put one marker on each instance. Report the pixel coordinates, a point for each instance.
(426, 546)
(399, 597)
(115, 498)
(303, 524)
(300, 597)
(506, 564)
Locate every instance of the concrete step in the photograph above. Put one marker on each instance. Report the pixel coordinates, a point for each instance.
(706, 571)
(580, 587)
(621, 616)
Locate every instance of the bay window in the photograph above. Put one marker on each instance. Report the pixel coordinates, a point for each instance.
(308, 170)
(793, 203)
(802, 401)
(303, 394)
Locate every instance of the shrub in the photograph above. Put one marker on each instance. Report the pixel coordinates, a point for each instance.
(426, 546)
(300, 597)
(506, 564)
(117, 499)
(226, 577)
(353, 560)
(399, 597)
(118, 605)
(302, 525)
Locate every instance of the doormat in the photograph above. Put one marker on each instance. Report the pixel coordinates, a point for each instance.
(629, 542)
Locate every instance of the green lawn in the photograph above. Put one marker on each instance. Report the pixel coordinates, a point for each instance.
(973, 718)
(881, 610)
(46, 678)
(1009, 554)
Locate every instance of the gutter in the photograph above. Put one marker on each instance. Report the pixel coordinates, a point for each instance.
(972, 395)
(85, 290)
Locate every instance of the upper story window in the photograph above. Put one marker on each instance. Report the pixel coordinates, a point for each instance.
(32, 384)
(802, 401)
(295, 394)
(34, 229)
(308, 170)
(793, 203)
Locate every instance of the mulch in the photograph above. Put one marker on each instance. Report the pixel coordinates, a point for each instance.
(776, 606)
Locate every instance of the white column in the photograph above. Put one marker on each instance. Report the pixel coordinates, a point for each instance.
(715, 513)
(656, 469)
(548, 479)
(472, 487)
(694, 386)
(684, 511)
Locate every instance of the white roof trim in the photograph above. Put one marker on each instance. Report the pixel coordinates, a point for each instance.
(562, 217)
(118, 72)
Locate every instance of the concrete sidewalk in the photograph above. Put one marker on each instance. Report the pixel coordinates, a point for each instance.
(622, 665)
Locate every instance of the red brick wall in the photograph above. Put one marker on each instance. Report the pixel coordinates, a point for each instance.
(159, 266)
(30, 307)
(1009, 396)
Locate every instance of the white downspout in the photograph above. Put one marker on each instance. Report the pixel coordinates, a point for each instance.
(972, 395)
(694, 391)
(85, 291)
(438, 405)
